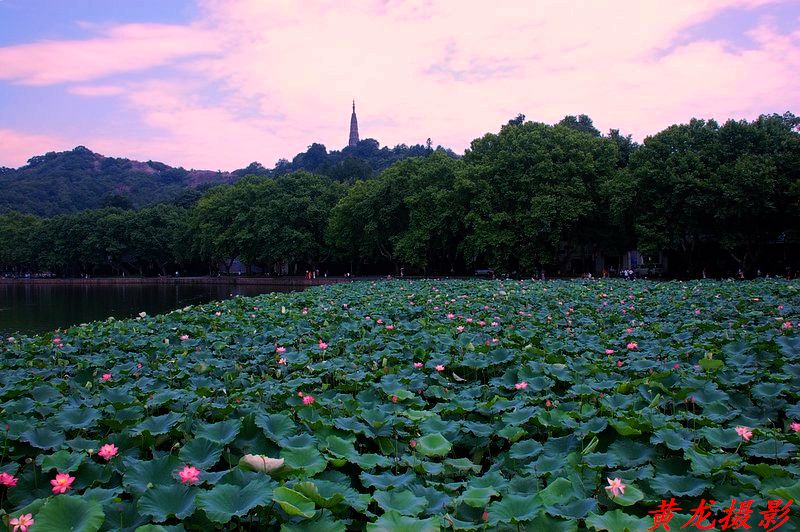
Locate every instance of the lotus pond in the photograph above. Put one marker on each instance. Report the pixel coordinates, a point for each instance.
(409, 405)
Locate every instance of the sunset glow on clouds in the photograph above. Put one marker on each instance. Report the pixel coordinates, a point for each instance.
(236, 81)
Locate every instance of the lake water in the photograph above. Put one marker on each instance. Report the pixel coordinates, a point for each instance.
(35, 308)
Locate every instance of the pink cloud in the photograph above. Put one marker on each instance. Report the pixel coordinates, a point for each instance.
(96, 90)
(253, 80)
(116, 50)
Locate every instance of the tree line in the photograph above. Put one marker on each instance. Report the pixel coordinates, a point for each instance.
(531, 197)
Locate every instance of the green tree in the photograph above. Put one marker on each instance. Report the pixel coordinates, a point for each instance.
(536, 189)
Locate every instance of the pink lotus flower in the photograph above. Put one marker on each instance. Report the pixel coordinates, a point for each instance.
(629, 330)
(469, 320)
(379, 321)
(795, 426)
(8, 480)
(218, 313)
(323, 345)
(439, 367)
(495, 324)
(481, 323)
(108, 451)
(106, 376)
(417, 364)
(281, 361)
(21, 523)
(460, 328)
(394, 398)
(521, 385)
(787, 325)
(189, 475)
(389, 327)
(676, 366)
(56, 340)
(619, 363)
(697, 312)
(745, 432)
(368, 318)
(616, 487)
(548, 403)
(632, 345)
(485, 516)
(139, 365)
(184, 337)
(280, 349)
(413, 443)
(308, 400)
(609, 351)
(780, 307)
(62, 483)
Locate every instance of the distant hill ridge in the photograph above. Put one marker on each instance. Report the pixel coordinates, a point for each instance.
(79, 179)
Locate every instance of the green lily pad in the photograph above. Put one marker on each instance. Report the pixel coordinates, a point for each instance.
(69, 512)
(433, 445)
(201, 453)
(395, 522)
(224, 501)
(222, 432)
(618, 521)
(62, 461)
(161, 502)
(401, 501)
(293, 502)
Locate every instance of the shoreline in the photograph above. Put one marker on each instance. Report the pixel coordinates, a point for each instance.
(263, 281)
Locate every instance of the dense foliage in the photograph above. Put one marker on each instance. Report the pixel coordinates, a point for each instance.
(76, 180)
(529, 198)
(410, 406)
(79, 179)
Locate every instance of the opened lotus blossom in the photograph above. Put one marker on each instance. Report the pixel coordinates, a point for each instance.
(439, 367)
(795, 426)
(106, 377)
(609, 351)
(21, 523)
(616, 487)
(417, 364)
(189, 475)
(308, 399)
(8, 480)
(745, 432)
(280, 349)
(108, 451)
(322, 345)
(282, 361)
(184, 337)
(62, 482)
(632, 345)
(521, 385)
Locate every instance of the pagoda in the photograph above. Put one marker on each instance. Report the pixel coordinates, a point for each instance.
(353, 127)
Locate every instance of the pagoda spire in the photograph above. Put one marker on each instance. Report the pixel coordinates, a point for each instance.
(353, 127)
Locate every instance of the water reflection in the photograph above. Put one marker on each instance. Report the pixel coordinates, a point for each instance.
(34, 308)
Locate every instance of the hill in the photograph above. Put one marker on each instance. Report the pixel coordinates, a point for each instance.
(70, 181)
(79, 179)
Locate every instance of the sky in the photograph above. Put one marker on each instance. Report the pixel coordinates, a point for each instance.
(218, 84)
